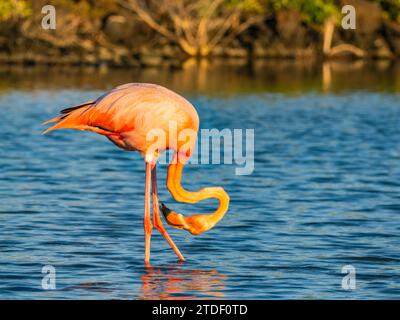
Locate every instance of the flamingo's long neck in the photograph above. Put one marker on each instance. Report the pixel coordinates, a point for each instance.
(180, 194)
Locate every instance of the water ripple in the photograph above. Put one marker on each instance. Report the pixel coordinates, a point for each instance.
(325, 193)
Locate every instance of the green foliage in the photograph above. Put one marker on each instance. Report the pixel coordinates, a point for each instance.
(13, 8)
(86, 8)
(391, 9)
(254, 6)
(313, 11)
(317, 11)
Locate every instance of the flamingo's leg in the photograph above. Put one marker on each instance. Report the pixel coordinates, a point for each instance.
(156, 217)
(147, 221)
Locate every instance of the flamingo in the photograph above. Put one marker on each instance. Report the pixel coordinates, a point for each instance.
(126, 115)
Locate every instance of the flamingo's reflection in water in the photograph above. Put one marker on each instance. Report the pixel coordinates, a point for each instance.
(173, 282)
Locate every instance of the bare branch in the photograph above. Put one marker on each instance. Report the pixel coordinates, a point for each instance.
(328, 50)
(134, 6)
(226, 25)
(241, 28)
(196, 26)
(345, 47)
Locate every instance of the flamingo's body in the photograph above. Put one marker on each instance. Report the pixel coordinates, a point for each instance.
(127, 115)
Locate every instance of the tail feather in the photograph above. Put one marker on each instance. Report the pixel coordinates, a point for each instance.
(52, 120)
(68, 118)
(70, 109)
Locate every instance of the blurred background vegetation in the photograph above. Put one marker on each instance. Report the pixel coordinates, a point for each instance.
(168, 32)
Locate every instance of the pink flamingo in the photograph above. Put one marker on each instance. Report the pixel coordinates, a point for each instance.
(126, 115)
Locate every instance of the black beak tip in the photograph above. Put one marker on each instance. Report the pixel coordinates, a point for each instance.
(164, 209)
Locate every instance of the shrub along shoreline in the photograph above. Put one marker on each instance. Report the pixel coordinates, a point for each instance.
(155, 33)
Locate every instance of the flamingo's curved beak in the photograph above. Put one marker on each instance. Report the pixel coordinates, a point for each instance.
(174, 219)
(195, 224)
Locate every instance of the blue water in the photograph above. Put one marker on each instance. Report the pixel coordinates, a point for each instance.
(325, 193)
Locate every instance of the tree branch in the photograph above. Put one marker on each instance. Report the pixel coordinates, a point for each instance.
(134, 6)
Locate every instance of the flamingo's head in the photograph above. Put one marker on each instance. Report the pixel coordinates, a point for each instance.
(195, 224)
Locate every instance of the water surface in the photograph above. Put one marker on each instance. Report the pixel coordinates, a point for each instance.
(325, 191)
